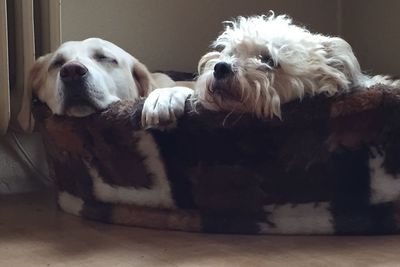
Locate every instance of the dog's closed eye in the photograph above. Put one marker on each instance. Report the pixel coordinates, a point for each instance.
(101, 57)
(58, 62)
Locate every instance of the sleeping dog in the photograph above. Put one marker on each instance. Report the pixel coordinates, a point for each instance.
(82, 77)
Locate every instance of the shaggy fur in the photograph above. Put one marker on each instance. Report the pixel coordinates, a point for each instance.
(262, 62)
(274, 61)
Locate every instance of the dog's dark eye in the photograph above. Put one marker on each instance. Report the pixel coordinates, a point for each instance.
(219, 48)
(103, 58)
(267, 59)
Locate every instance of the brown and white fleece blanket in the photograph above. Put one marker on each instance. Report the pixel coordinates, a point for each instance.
(329, 167)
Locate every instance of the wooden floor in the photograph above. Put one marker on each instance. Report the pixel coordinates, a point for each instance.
(34, 233)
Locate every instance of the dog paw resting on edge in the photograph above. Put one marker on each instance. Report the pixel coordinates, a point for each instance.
(262, 62)
(164, 106)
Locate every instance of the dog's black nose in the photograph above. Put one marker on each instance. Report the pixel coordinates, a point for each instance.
(73, 71)
(221, 70)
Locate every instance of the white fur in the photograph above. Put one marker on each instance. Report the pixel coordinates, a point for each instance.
(159, 195)
(384, 187)
(381, 79)
(302, 63)
(163, 106)
(298, 219)
(70, 203)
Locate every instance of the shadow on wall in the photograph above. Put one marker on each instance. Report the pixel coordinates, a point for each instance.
(372, 28)
(174, 34)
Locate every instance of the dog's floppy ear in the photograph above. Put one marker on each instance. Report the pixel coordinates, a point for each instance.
(205, 59)
(341, 57)
(37, 73)
(36, 77)
(143, 79)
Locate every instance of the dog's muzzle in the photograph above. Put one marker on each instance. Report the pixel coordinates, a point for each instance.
(73, 72)
(74, 77)
(222, 70)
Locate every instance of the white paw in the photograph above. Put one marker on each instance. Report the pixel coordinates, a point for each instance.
(163, 106)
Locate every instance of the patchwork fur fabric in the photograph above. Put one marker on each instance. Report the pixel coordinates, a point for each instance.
(330, 166)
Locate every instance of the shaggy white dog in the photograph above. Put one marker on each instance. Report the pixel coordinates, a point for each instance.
(260, 63)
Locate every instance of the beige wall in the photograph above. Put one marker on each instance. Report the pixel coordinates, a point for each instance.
(173, 34)
(373, 29)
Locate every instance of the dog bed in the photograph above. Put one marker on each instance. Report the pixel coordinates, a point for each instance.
(329, 166)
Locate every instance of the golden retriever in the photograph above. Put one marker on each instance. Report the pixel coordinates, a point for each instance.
(82, 77)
